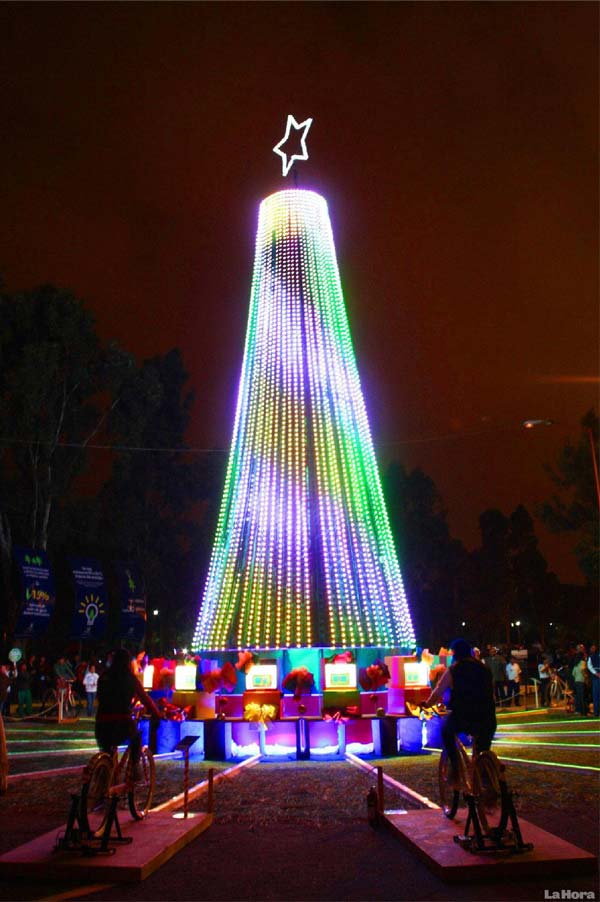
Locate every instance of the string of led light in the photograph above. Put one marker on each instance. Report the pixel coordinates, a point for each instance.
(302, 493)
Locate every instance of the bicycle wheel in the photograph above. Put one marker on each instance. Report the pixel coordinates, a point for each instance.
(71, 708)
(449, 796)
(49, 701)
(95, 798)
(487, 789)
(142, 792)
(450, 789)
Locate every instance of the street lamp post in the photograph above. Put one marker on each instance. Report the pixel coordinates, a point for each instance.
(531, 424)
(516, 624)
(156, 629)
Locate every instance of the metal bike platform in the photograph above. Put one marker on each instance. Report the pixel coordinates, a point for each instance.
(430, 836)
(155, 840)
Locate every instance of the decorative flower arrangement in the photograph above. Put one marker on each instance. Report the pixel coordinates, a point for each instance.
(301, 681)
(174, 712)
(223, 678)
(374, 676)
(259, 713)
(164, 671)
(245, 660)
(344, 657)
(435, 673)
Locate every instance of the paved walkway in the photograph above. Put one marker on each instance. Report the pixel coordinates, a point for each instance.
(331, 863)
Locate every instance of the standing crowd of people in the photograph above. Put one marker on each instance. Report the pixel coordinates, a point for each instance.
(108, 688)
(578, 669)
(27, 682)
(473, 686)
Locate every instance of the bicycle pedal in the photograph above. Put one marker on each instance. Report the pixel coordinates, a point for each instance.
(462, 840)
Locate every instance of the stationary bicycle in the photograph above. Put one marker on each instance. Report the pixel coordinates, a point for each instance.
(480, 781)
(491, 816)
(108, 781)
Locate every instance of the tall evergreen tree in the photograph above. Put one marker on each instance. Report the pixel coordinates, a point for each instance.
(430, 559)
(58, 387)
(575, 508)
(149, 507)
(537, 589)
(509, 580)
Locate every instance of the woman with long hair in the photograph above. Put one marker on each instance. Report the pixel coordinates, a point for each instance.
(118, 688)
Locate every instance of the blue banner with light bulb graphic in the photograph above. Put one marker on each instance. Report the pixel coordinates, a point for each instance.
(89, 616)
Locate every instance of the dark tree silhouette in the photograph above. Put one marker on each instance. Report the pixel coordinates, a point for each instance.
(150, 509)
(430, 560)
(508, 580)
(76, 413)
(575, 508)
(58, 387)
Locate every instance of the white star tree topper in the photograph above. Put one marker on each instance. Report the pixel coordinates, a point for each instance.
(287, 160)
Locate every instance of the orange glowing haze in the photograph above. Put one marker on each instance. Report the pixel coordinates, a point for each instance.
(455, 143)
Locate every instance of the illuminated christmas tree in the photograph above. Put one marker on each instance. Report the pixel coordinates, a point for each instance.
(303, 553)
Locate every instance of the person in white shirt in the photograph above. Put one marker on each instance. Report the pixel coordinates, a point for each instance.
(90, 682)
(544, 678)
(513, 676)
(593, 666)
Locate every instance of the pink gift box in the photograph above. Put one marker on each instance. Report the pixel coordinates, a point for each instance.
(229, 705)
(395, 665)
(312, 703)
(397, 698)
(395, 701)
(371, 701)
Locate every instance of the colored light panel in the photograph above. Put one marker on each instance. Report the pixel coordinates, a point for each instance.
(262, 676)
(416, 674)
(303, 554)
(148, 676)
(340, 676)
(185, 677)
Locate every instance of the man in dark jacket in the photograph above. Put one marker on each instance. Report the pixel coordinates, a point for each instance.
(497, 664)
(472, 707)
(4, 686)
(23, 687)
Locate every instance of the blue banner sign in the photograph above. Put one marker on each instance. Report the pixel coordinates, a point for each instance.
(133, 602)
(39, 593)
(89, 616)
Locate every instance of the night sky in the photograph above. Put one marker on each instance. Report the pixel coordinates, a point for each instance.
(456, 145)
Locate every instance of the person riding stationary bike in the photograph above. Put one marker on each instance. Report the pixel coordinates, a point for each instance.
(117, 687)
(471, 704)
